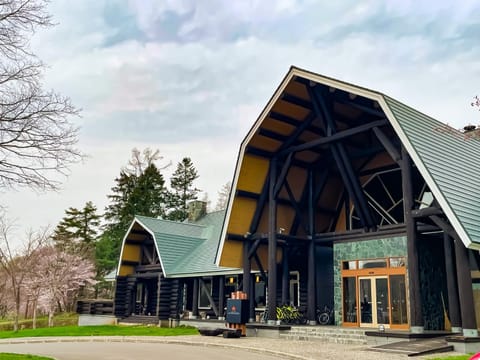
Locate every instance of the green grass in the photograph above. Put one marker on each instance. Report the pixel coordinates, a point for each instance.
(9, 356)
(63, 319)
(455, 357)
(102, 330)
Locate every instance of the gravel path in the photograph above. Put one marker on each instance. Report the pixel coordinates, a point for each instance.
(286, 349)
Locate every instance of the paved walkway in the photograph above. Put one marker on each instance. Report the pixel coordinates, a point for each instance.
(269, 348)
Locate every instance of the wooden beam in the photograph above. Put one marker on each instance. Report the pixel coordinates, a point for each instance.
(425, 212)
(387, 144)
(446, 227)
(272, 245)
(340, 155)
(465, 291)
(452, 289)
(292, 99)
(293, 202)
(415, 303)
(292, 138)
(283, 174)
(221, 297)
(326, 140)
(312, 299)
(209, 296)
(195, 291)
(293, 122)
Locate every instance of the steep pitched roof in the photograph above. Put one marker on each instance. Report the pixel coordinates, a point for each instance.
(187, 249)
(443, 156)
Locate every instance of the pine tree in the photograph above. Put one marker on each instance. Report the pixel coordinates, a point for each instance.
(77, 231)
(183, 189)
(139, 190)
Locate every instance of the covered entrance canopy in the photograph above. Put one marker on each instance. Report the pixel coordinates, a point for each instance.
(326, 157)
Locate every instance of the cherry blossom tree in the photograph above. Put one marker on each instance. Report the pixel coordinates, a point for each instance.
(17, 263)
(56, 280)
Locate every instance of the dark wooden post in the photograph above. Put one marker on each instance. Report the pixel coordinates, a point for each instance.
(159, 284)
(221, 297)
(312, 298)
(195, 298)
(452, 290)
(415, 302)
(252, 301)
(465, 291)
(272, 246)
(285, 276)
(247, 265)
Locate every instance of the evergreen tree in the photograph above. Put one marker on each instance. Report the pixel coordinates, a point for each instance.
(183, 189)
(77, 231)
(139, 190)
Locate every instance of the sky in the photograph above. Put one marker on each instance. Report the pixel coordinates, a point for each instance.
(190, 77)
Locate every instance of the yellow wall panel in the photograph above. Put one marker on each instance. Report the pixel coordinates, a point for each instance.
(297, 89)
(232, 254)
(241, 215)
(126, 270)
(291, 110)
(297, 178)
(253, 173)
(131, 252)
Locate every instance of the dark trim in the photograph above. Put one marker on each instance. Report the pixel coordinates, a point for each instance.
(272, 244)
(292, 99)
(425, 212)
(452, 289)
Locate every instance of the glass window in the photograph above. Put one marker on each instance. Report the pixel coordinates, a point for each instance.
(349, 300)
(204, 289)
(398, 299)
(397, 262)
(349, 265)
(375, 263)
(260, 295)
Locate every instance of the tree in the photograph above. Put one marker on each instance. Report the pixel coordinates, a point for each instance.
(139, 190)
(18, 264)
(77, 232)
(36, 138)
(56, 278)
(223, 196)
(183, 189)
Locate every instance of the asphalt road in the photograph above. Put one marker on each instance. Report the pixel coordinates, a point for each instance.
(124, 351)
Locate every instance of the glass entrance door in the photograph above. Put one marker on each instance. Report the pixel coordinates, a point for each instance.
(373, 299)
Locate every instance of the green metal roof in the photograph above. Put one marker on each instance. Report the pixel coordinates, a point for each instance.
(187, 249)
(448, 160)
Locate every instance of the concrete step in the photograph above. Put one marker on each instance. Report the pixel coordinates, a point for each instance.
(139, 319)
(330, 334)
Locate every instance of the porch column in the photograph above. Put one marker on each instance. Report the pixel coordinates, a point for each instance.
(195, 299)
(247, 267)
(415, 302)
(452, 291)
(285, 277)
(159, 284)
(272, 246)
(465, 291)
(131, 295)
(221, 297)
(312, 298)
(252, 299)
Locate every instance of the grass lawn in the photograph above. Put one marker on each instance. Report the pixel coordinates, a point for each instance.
(102, 330)
(456, 357)
(8, 356)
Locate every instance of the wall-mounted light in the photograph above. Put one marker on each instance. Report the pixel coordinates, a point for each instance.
(231, 280)
(257, 278)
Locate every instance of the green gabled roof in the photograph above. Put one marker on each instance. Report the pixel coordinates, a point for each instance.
(187, 249)
(449, 162)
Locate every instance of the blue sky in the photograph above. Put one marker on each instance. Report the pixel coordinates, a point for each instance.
(190, 77)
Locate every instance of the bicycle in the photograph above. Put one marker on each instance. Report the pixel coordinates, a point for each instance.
(325, 316)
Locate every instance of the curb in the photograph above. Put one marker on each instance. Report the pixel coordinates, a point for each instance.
(153, 339)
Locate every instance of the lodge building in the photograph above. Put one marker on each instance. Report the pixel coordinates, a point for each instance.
(342, 196)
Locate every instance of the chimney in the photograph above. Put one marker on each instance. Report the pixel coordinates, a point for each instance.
(196, 210)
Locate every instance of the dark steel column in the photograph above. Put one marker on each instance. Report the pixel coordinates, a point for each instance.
(312, 298)
(195, 299)
(221, 297)
(285, 277)
(415, 302)
(465, 291)
(452, 290)
(272, 245)
(247, 265)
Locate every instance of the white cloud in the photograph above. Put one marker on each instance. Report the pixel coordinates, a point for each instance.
(199, 98)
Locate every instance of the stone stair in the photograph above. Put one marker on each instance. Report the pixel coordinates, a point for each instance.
(326, 334)
(139, 320)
